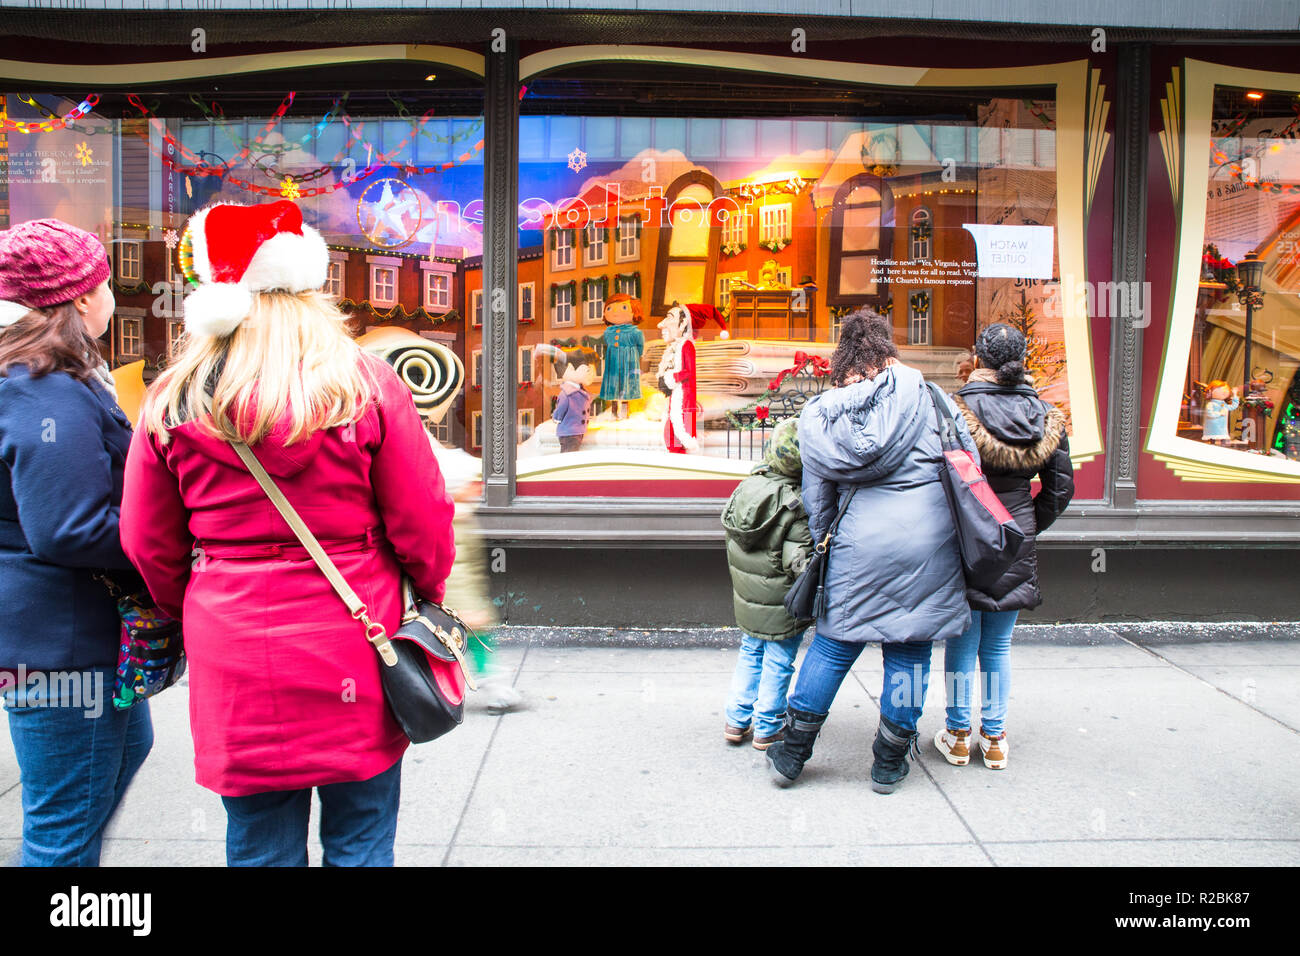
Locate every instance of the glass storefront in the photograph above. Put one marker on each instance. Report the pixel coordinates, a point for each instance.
(712, 197)
(1242, 389)
(770, 210)
(392, 178)
(1227, 405)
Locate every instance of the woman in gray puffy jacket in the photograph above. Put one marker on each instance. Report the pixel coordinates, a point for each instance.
(894, 575)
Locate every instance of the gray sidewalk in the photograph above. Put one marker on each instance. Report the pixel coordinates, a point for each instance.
(1172, 754)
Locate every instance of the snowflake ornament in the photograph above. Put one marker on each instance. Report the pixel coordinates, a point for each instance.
(170, 239)
(577, 160)
(289, 189)
(85, 153)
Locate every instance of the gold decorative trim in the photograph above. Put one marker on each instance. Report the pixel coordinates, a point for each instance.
(124, 74)
(1191, 471)
(1171, 135)
(630, 465)
(1097, 138)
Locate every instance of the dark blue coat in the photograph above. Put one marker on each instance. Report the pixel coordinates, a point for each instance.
(894, 572)
(63, 444)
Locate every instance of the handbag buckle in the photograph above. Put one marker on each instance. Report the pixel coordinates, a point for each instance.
(377, 636)
(453, 642)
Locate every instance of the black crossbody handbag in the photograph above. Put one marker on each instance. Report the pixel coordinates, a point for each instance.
(988, 538)
(422, 666)
(806, 599)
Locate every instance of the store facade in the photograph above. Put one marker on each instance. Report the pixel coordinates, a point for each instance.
(515, 204)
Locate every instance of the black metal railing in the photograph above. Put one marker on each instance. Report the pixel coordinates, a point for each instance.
(749, 441)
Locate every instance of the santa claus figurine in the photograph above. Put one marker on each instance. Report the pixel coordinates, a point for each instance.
(677, 372)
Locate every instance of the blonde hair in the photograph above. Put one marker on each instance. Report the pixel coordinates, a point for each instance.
(291, 353)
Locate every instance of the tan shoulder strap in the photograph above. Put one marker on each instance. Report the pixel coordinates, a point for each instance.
(375, 632)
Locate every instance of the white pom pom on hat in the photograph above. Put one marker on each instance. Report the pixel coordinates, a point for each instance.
(702, 315)
(242, 250)
(217, 308)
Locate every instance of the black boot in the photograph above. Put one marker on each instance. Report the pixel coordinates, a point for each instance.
(891, 752)
(785, 758)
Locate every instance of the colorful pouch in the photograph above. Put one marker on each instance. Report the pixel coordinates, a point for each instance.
(150, 656)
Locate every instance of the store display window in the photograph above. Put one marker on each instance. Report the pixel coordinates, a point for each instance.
(387, 165)
(748, 215)
(1228, 408)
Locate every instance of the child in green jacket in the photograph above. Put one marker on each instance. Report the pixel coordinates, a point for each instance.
(768, 545)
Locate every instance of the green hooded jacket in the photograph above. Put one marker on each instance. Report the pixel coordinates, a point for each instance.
(768, 541)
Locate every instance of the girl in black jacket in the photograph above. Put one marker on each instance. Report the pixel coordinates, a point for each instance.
(1019, 437)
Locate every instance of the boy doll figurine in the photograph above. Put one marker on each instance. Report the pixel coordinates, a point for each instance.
(1214, 420)
(624, 344)
(574, 405)
(768, 546)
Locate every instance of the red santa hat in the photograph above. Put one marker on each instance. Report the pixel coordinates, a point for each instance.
(702, 315)
(235, 251)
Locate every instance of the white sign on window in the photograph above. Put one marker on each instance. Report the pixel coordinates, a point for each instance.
(1012, 252)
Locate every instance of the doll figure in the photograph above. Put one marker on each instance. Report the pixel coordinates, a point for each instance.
(677, 372)
(624, 343)
(574, 404)
(1214, 420)
(677, 381)
(769, 276)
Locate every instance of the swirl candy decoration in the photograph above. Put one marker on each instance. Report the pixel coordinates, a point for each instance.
(432, 372)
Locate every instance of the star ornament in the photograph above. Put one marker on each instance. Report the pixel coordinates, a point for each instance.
(384, 221)
(577, 160)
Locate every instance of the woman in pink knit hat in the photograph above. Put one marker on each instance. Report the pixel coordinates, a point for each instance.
(285, 689)
(63, 443)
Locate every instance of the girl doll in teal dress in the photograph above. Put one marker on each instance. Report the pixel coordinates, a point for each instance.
(1214, 420)
(624, 343)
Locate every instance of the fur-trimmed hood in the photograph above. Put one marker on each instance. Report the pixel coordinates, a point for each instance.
(1013, 428)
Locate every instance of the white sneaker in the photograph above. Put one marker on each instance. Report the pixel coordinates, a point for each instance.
(954, 745)
(498, 696)
(995, 750)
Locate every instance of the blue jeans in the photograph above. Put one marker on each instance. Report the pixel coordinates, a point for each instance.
(76, 756)
(760, 683)
(358, 823)
(902, 696)
(989, 638)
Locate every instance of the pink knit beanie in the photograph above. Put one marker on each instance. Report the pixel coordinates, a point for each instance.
(45, 262)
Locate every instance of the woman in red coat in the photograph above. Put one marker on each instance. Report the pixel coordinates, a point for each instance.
(285, 691)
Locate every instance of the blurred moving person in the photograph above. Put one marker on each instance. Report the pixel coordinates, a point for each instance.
(468, 593)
